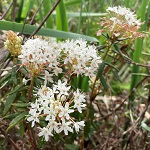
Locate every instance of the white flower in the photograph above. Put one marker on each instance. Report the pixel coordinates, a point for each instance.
(65, 126)
(78, 96)
(61, 88)
(65, 111)
(25, 81)
(78, 100)
(53, 125)
(33, 118)
(48, 77)
(78, 125)
(45, 132)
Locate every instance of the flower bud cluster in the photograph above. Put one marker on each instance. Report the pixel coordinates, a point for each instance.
(55, 106)
(13, 43)
(121, 24)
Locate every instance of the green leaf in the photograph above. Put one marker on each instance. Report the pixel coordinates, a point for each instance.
(101, 69)
(116, 47)
(103, 81)
(28, 29)
(100, 72)
(9, 100)
(85, 84)
(5, 83)
(61, 18)
(141, 74)
(47, 8)
(41, 142)
(27, 8)
(17, 120)
(116, 75)
(145, 126)
(84, 14)
(73, 2)
(144, 12)
(59, 137)
(111, 66)
(5, 78)
(11, 116)
(18, 19)
(87, 128)
(72, 147)
(21, 128)
(17, 88)
(21, 104)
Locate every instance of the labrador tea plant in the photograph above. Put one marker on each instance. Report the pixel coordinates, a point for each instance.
(45, 99)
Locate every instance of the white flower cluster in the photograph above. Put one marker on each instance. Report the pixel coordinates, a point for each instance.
(79, 58)
(74, 55)
(37, 53)
(128, 15)
(121, 24)
(55, 106)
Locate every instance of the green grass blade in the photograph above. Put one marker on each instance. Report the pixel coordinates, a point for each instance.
(72, 2)
(139, 44)
(17, 120)
(40, 10)
(47, 8)
(28, 29)
(80, 17)
(28, 6)
(126, 3)
(19, 18)
(61, 18)
(84, 14)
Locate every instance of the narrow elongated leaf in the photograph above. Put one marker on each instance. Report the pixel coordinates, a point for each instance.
(104, 83)
(40, 11)
(5, 78)
(11, 116)
(141, 74)
(28, 29)
(144, 12)
(101, 69)
(84, 14)
(17, 88)
(27, 7)
(72, 147)
(21, 104)
(100, 75)
(47, 8)
(85, 84)
(5, 83)
(61, 18)
(9, 100)
(111, 66)
(73, 2)
(116, 75)
(17, 120)
(18, 19)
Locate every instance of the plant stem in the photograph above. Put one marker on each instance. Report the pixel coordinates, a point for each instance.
(30, 89)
